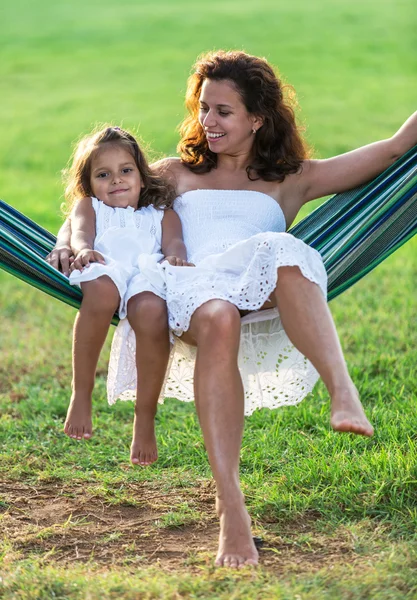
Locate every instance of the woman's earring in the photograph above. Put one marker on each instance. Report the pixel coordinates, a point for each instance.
(254, 130)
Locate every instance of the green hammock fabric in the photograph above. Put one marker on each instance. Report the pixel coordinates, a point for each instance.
(353, 231)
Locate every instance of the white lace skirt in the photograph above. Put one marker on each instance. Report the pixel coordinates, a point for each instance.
(274, 373)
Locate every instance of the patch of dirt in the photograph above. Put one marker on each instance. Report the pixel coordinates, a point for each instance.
(68, 524)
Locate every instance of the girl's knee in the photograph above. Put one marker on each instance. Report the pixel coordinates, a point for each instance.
(100, 295)
(147, 312)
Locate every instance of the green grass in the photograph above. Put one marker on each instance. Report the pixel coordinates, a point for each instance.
(386, 580)
(338, 514)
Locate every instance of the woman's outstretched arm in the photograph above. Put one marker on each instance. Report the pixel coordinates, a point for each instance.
(61, 256)
(334, 175)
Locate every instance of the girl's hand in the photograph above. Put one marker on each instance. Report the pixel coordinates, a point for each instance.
(61, 258)
(85, 257)
(178, 262)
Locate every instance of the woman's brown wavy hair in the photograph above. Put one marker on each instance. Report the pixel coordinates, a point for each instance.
(155, 190)
(279, 148)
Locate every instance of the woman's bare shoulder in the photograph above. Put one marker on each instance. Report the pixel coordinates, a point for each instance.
(167, 161)
(170, 164)
(173, 170)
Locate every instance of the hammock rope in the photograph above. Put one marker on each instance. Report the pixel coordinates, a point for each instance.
(353, 231)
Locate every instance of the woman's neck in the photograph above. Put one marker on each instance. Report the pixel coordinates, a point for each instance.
(233, 163)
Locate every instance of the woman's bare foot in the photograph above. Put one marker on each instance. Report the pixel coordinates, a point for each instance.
(143, 450)
(78, 423)
(236, 546)
(347, 412)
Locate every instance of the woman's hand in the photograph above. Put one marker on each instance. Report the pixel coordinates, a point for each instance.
(61, 258)
(177, 262)
(85, 257)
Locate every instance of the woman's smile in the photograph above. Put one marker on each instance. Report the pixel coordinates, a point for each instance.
(213, 138)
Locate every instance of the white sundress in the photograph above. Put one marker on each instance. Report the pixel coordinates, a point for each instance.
(130, 242)
(237, 240)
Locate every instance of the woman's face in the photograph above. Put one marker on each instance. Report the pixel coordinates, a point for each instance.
(226, 123)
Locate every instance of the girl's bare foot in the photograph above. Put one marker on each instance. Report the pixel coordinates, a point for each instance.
(78, 423)
(143, 450)
(236, 546)
(347, 412)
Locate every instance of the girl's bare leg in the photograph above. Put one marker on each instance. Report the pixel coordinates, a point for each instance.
(309, 325)
(100, 301)
(147, 315)
(215, 329)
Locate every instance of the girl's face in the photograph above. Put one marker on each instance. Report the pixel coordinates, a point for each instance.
(226, 123)
(115, 178)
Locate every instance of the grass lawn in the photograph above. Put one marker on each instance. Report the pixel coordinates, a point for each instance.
(338, 514)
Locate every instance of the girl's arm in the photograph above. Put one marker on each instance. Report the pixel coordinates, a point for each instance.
(346, 171)
(83, 232)
(173, 247)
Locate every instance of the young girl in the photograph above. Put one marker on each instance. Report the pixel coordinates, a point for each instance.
(122, 226)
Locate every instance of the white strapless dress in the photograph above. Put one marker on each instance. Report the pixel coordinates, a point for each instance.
(237, 240)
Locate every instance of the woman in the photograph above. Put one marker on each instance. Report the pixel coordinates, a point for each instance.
(243, 173)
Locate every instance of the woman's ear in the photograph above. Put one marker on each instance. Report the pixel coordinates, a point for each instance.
(257, 123)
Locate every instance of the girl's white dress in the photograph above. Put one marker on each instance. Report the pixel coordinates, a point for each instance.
(237, 240)
(130, 242)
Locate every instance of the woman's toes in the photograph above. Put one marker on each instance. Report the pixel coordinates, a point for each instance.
(251, 562)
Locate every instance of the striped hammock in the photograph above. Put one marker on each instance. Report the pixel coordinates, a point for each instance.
(353, 232)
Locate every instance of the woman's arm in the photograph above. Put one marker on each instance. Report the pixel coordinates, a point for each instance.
(173, 247)
(61, 256)
(346, 171)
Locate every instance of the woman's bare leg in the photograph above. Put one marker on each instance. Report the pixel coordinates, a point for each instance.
(215, 329)
(309, 325)
(100, 301)
(147, 315)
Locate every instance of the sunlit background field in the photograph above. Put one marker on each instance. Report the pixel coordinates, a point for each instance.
(338, 514)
